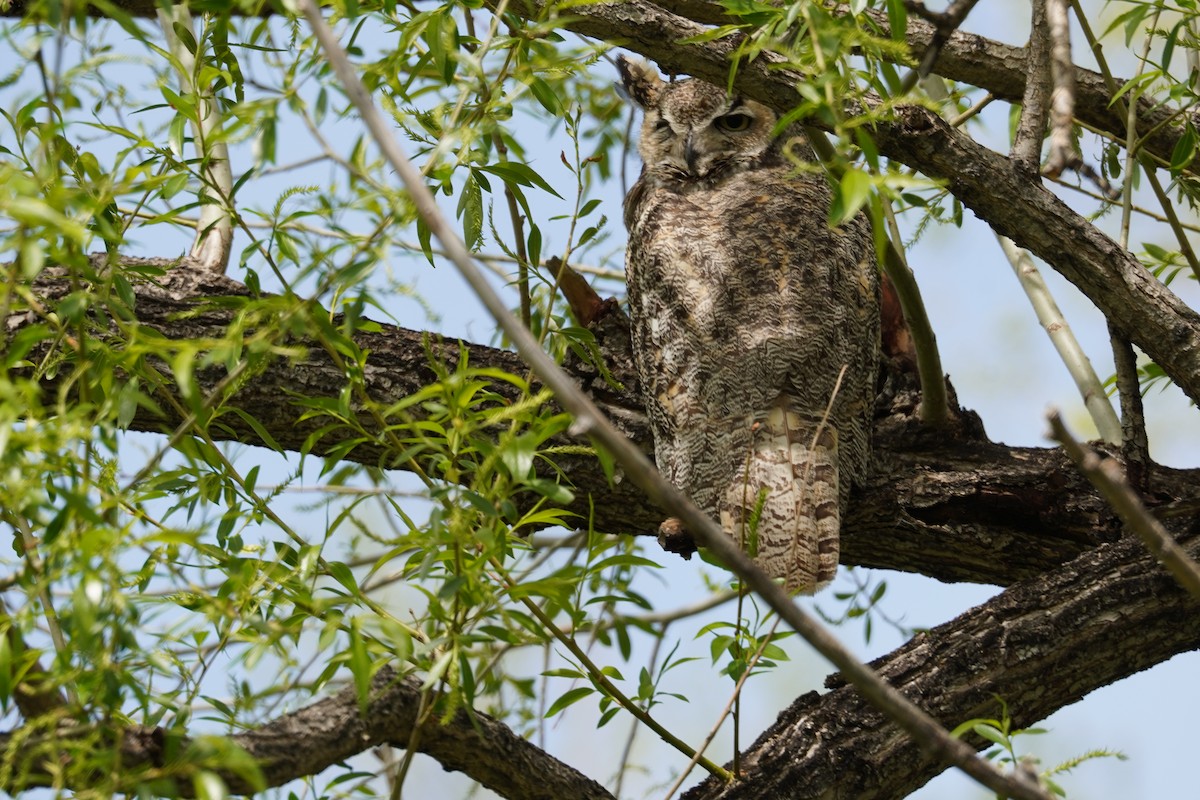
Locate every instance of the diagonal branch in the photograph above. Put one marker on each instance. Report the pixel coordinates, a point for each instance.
(308, 741)
(589, 420)
(965, 57)
(1040, 645)
(1108, 477)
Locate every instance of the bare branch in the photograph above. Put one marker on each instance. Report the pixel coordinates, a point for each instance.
(965, 57)
(1068, 347)
(950, 504)
(308, 741)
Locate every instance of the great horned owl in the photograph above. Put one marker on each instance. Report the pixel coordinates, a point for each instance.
(755, 324)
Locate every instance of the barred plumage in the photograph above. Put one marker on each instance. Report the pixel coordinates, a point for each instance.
(748, 309)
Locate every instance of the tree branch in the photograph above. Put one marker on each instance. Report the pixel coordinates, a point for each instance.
(1107, 476)
(1031, 130)
(1040, 645)
(947, 504)
(331, 730)
(965, 57)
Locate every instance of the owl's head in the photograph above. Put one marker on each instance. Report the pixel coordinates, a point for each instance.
(694, 130)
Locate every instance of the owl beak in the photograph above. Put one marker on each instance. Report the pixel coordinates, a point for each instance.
(690, 154)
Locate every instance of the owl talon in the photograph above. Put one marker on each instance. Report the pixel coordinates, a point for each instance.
(673, 537)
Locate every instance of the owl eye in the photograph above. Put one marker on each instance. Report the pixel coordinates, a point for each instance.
(737, 122)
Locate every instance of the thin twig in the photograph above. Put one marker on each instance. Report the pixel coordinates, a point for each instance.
(945, 24)
(602, 682)
(1106, 475)
(591, 422)
(733, 699)
(1135, 447)
(1063, 338)
(972, 111)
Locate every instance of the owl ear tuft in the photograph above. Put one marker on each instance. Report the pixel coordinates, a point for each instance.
(640, 81)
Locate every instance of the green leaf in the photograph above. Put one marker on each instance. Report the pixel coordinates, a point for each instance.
(897, 19)
(852, 193)
(990, 733)
(208, 785)
(342, 574)
(360, 667)
(568, 698)
(1185, 149)
(470, 211)
(521, 174)
(564, 672)
(546, 96)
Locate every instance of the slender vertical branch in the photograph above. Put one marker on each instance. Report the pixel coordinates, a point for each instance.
(1068, 347)
(1027, 144)
(214, 230)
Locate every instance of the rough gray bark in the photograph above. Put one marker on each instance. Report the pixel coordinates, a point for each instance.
(1040, 645)
(959, 507)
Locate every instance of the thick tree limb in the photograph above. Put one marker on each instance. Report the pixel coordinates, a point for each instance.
(1040, 645)
(955, 507)
(1015, 205)
(329, 731)
(1001, 70)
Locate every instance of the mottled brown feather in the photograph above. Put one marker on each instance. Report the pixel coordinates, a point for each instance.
(746, 307)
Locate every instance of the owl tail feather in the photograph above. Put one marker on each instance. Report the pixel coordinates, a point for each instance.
(785, 509)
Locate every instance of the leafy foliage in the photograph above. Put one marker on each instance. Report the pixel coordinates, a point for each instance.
(181, 582)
